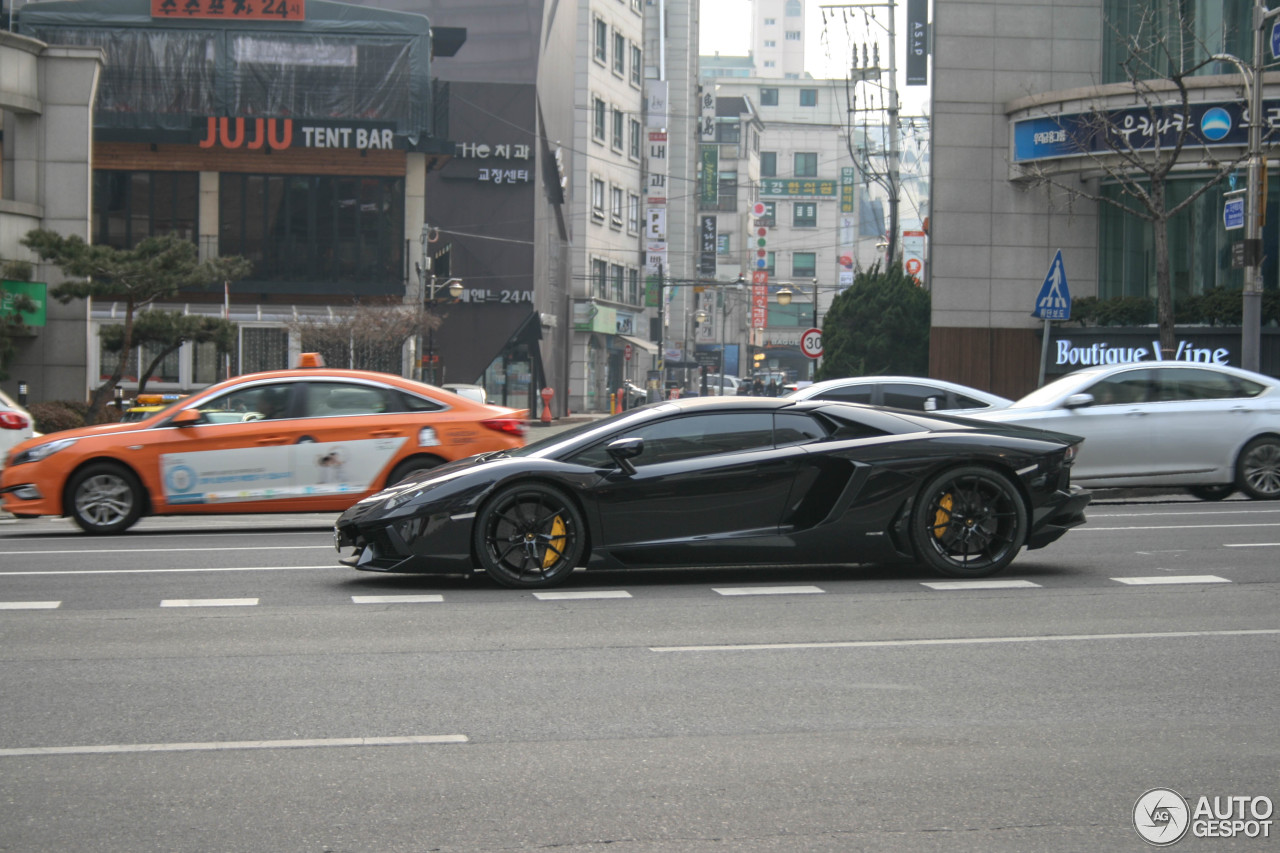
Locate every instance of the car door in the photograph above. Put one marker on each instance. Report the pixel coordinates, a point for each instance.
(704, 485)
(349, 434)
(1198, 419)
(1120, 436)
(241, 453)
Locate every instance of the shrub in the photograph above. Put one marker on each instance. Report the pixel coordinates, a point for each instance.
(57, 415)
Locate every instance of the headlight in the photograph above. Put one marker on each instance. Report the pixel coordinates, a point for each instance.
(40, 451)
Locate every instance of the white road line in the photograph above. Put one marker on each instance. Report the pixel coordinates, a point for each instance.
(396, 599)
(1182, 512)
(333, 565)
(1171, 579)
(209, 602)
(769, 590)
(30, 605)
(316, 743)
(1253, 545)
(563, 596)
(129, 551)
(1093, 528)
(966, 641)
(981, 584)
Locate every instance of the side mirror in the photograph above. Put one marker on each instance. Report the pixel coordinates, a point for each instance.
(1078, 401)
(624, 450)
(187, 418)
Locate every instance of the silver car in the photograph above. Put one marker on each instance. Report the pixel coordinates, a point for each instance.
(903, 392)
(1209, 428)
(16, 425)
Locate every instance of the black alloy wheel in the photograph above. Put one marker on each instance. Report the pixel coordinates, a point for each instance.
(529, 535)
(1212, 493)
(104, 498)
(1258, 469)
(969, 522)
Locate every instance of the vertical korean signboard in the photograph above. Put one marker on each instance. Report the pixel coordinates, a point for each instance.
(656, 212)
(917, 42)
(710, 189)
(707, 257)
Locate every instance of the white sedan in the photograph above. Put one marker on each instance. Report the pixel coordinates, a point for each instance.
(16, 425)
(1208, 428)
(903, 392)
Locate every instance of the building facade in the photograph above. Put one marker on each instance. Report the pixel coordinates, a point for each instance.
(1009, 84)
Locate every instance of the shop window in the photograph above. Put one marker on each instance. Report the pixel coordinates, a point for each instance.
(130, 206)
(314, 228)
(804, 214)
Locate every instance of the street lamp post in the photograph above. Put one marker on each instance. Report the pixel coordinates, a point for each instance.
(430, 298)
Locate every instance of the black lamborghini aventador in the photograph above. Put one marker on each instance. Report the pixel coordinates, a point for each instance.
(730, 481)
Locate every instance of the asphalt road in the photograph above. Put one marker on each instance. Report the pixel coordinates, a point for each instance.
(223, 685)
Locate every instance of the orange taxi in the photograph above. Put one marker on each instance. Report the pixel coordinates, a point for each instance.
(311, 439)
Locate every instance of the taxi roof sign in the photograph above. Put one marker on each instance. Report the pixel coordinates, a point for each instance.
(311, 359)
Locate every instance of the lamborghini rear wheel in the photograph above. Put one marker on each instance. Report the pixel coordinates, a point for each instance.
(529, 535)
(969, 522)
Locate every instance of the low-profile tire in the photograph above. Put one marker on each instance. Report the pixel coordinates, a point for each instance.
(1258, 469)
(105, 498)
(969, 522)
(1212, 493)
(529, 535)
(412, 466)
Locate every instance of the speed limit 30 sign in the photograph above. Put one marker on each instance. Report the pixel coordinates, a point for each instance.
(811, 343)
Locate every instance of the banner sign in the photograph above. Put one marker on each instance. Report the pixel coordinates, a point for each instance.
(1136, 129)
(917, 42)
(710, 174)
(231, 10)
(799, 187)
(36, 291)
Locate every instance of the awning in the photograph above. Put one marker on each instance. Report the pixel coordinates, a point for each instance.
(648, 346)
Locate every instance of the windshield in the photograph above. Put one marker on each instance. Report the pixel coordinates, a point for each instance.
(1047, 393)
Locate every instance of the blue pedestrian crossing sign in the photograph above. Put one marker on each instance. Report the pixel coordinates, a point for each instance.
(1054, 301)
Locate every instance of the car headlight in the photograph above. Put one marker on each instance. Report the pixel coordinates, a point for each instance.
(40, 451)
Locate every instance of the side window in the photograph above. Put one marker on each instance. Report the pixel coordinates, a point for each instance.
(690, 438)
(963, 402)
(256, 403)
(849, 394)
(1132, 386)
(335, 399)
(794, 428)
(414, 403)
(1191, 383)
(919, 398)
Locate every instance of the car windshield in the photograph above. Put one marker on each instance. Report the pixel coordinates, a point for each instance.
(1047, 393)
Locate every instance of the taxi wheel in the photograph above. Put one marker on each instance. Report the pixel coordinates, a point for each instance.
(411, 466)
(969, 522)
(1258, 469)
(105, 498)
(529, 535)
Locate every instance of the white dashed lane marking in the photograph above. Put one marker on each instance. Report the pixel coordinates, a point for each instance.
(1011, 584)
(1171, 579)
(587, 593)
(396, 599)
(315, 743)
(30, 605)
(209, 602)
(769, 590)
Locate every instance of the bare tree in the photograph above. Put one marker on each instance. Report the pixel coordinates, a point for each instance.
(1139, 145)
(364, 336)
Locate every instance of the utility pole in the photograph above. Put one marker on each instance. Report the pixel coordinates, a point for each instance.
(1251, 307)
(871, 70)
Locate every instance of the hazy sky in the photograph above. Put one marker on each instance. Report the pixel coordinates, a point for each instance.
(726, 27)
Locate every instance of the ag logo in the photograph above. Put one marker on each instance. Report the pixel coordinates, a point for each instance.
(1161, 816)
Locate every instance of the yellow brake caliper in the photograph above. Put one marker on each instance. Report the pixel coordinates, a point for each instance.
(942, 518)
(555, 547)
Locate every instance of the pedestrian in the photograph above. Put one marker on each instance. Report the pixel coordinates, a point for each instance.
(773, 388)
(757, 387)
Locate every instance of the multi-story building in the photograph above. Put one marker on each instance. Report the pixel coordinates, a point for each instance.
(1009, 84)
(606, 258)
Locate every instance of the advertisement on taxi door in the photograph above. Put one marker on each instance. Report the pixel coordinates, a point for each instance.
(265, 473)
